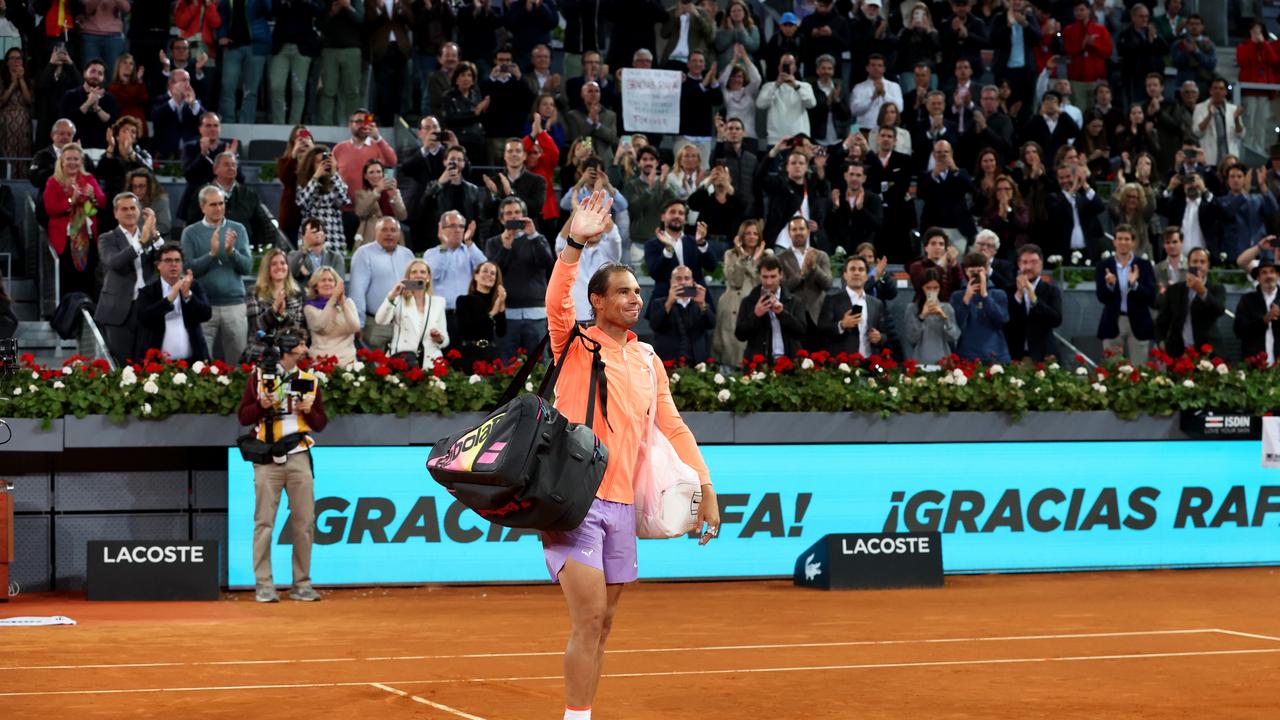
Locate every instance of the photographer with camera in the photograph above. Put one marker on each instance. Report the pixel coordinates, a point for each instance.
(284, 406)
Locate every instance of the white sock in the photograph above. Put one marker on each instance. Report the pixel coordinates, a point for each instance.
(572, 714)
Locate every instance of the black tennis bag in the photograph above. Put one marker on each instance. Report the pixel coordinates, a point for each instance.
(526, 465)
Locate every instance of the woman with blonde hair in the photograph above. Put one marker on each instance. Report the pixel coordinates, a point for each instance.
(1135, 206)
(741, 276)
(416, 316)
(73, 199)
(378, 197)
(331, 318)
(275, 305)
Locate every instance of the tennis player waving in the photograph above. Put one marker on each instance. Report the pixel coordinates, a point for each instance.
(595, 561)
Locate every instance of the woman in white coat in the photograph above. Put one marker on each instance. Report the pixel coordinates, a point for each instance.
(416, 317)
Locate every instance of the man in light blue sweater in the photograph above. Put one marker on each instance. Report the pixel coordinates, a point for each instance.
(375, 269)
(217, 251)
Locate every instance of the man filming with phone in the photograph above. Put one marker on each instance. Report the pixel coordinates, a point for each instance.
(525, 258)
(284, 406)
(682, 324)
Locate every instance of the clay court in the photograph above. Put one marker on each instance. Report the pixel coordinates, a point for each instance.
(1167, 644)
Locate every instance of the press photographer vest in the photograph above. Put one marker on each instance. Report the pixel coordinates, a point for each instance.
(290, 423)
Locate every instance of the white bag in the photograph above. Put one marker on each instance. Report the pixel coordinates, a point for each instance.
(667, 491)
(1271, 442)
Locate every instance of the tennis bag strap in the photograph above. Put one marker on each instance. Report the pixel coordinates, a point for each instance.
(598, 384)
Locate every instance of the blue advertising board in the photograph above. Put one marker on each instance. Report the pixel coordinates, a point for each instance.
(1000, 508)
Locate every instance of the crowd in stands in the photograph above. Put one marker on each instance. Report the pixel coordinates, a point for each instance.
(971, 142)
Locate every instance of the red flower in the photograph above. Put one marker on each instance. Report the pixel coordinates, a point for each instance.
(382, 371)
(1206, 349)
(783, 364)
(153, 367)
(822, 357)
(399, 364)
(453, 355)
(440, 368)
(27, 358)
(802, 353)
(1102, 374)
(1079, 359)
(668, 364)
(415, 374)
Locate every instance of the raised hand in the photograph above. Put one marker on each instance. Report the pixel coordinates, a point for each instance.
(1110, 278)
(591, 216)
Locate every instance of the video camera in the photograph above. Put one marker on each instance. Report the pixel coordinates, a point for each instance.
(274, 346)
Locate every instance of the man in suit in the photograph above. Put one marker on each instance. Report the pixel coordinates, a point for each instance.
(1034, 311)
(851, 320)
(172, 309)
(417, 170)
(1189, 310)
(1257, 321)
(1187, 205)
(175, 117)
(806, 271)
(197, 162)
(1173, 268)
(856, 212)
(1051, 129)
(948, 192)
(889, 174)
(46, 158)
(999, 272)
(771, 320)
(670, 247)
(126, 254)
(387, 32)
(1126, 286)
(786, 194)
(981, 312)
(913, 100)
(682, 321)
(1074, 214)
(934, 127)
(1246, 209)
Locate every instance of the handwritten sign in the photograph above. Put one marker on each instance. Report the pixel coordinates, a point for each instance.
(651, 100)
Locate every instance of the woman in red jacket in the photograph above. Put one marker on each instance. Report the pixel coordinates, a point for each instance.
(73, 199)
(1259, 62)
(541, 158)
(197, 20)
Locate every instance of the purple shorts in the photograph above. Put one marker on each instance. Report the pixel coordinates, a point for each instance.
(606, 541)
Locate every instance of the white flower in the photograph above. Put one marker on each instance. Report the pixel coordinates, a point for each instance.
(1188, 383)
(848, 380)
(1145, 256)
(1055, 366)
(1125, 369)
(1100, 388)
(871, 382)
(1037, 391)
(757, 376)
(1223, 369)
(718, 379)
(1106, 254)
(213, 370)
(57, 385)
(151, 388)
(224, 380)
(844, 368)
(358, 366)
(723, 396)
(947, 379)
(1082, 370)
(1076, 256)
(319, 376)
(475, 380)
(893, 390)
(1050, 401)
(17, 391)
(1088, 263)
(958, 373)
(1017, 382)
(197, 367)
(528, 386)
(1054, 259)
(437, 383)
(67, 371)
(347, 376)
(746, 379)
(700, 367)
(1040, 374)
(180, 379)
(36, 376)
(806, 364)
(996, 369)
(1240, 374)
(961, 380)
(1205, 365)
(146, 408)
(394, 380)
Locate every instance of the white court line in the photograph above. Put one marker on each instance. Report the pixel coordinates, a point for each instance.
(424, 701)
(1248, 635)
(632, 651)
(671, 673)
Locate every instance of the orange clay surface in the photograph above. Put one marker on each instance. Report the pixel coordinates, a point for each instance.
(1159, 644)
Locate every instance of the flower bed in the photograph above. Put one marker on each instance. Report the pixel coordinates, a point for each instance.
(818, 382)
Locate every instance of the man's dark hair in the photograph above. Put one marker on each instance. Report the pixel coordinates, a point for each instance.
(97, 61)
(850, 164)
(1218, 79)
(1195, 250)
(170, 247)
(931, 233)
(856, 258)
(312, 223)
(973, 260)
(1155, 75)
(1031, 248)
(1171, 231)
(1239, 166)
(504, 49)
(599, 282)
(675, 201)
(769, 262)
(456, 149)
(649, 150)
(1195, 16)
(1125, 228)
(875, 56)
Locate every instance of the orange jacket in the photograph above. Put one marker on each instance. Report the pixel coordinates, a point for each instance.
(632, 379)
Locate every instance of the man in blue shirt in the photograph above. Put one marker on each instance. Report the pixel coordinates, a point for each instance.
(453, 261)
(217, 251)
(981, 313)
(375, 268)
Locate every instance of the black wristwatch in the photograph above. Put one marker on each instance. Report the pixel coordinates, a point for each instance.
(568, 239)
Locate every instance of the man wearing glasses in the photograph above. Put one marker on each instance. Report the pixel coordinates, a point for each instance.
(172, 308)
(453, 261)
